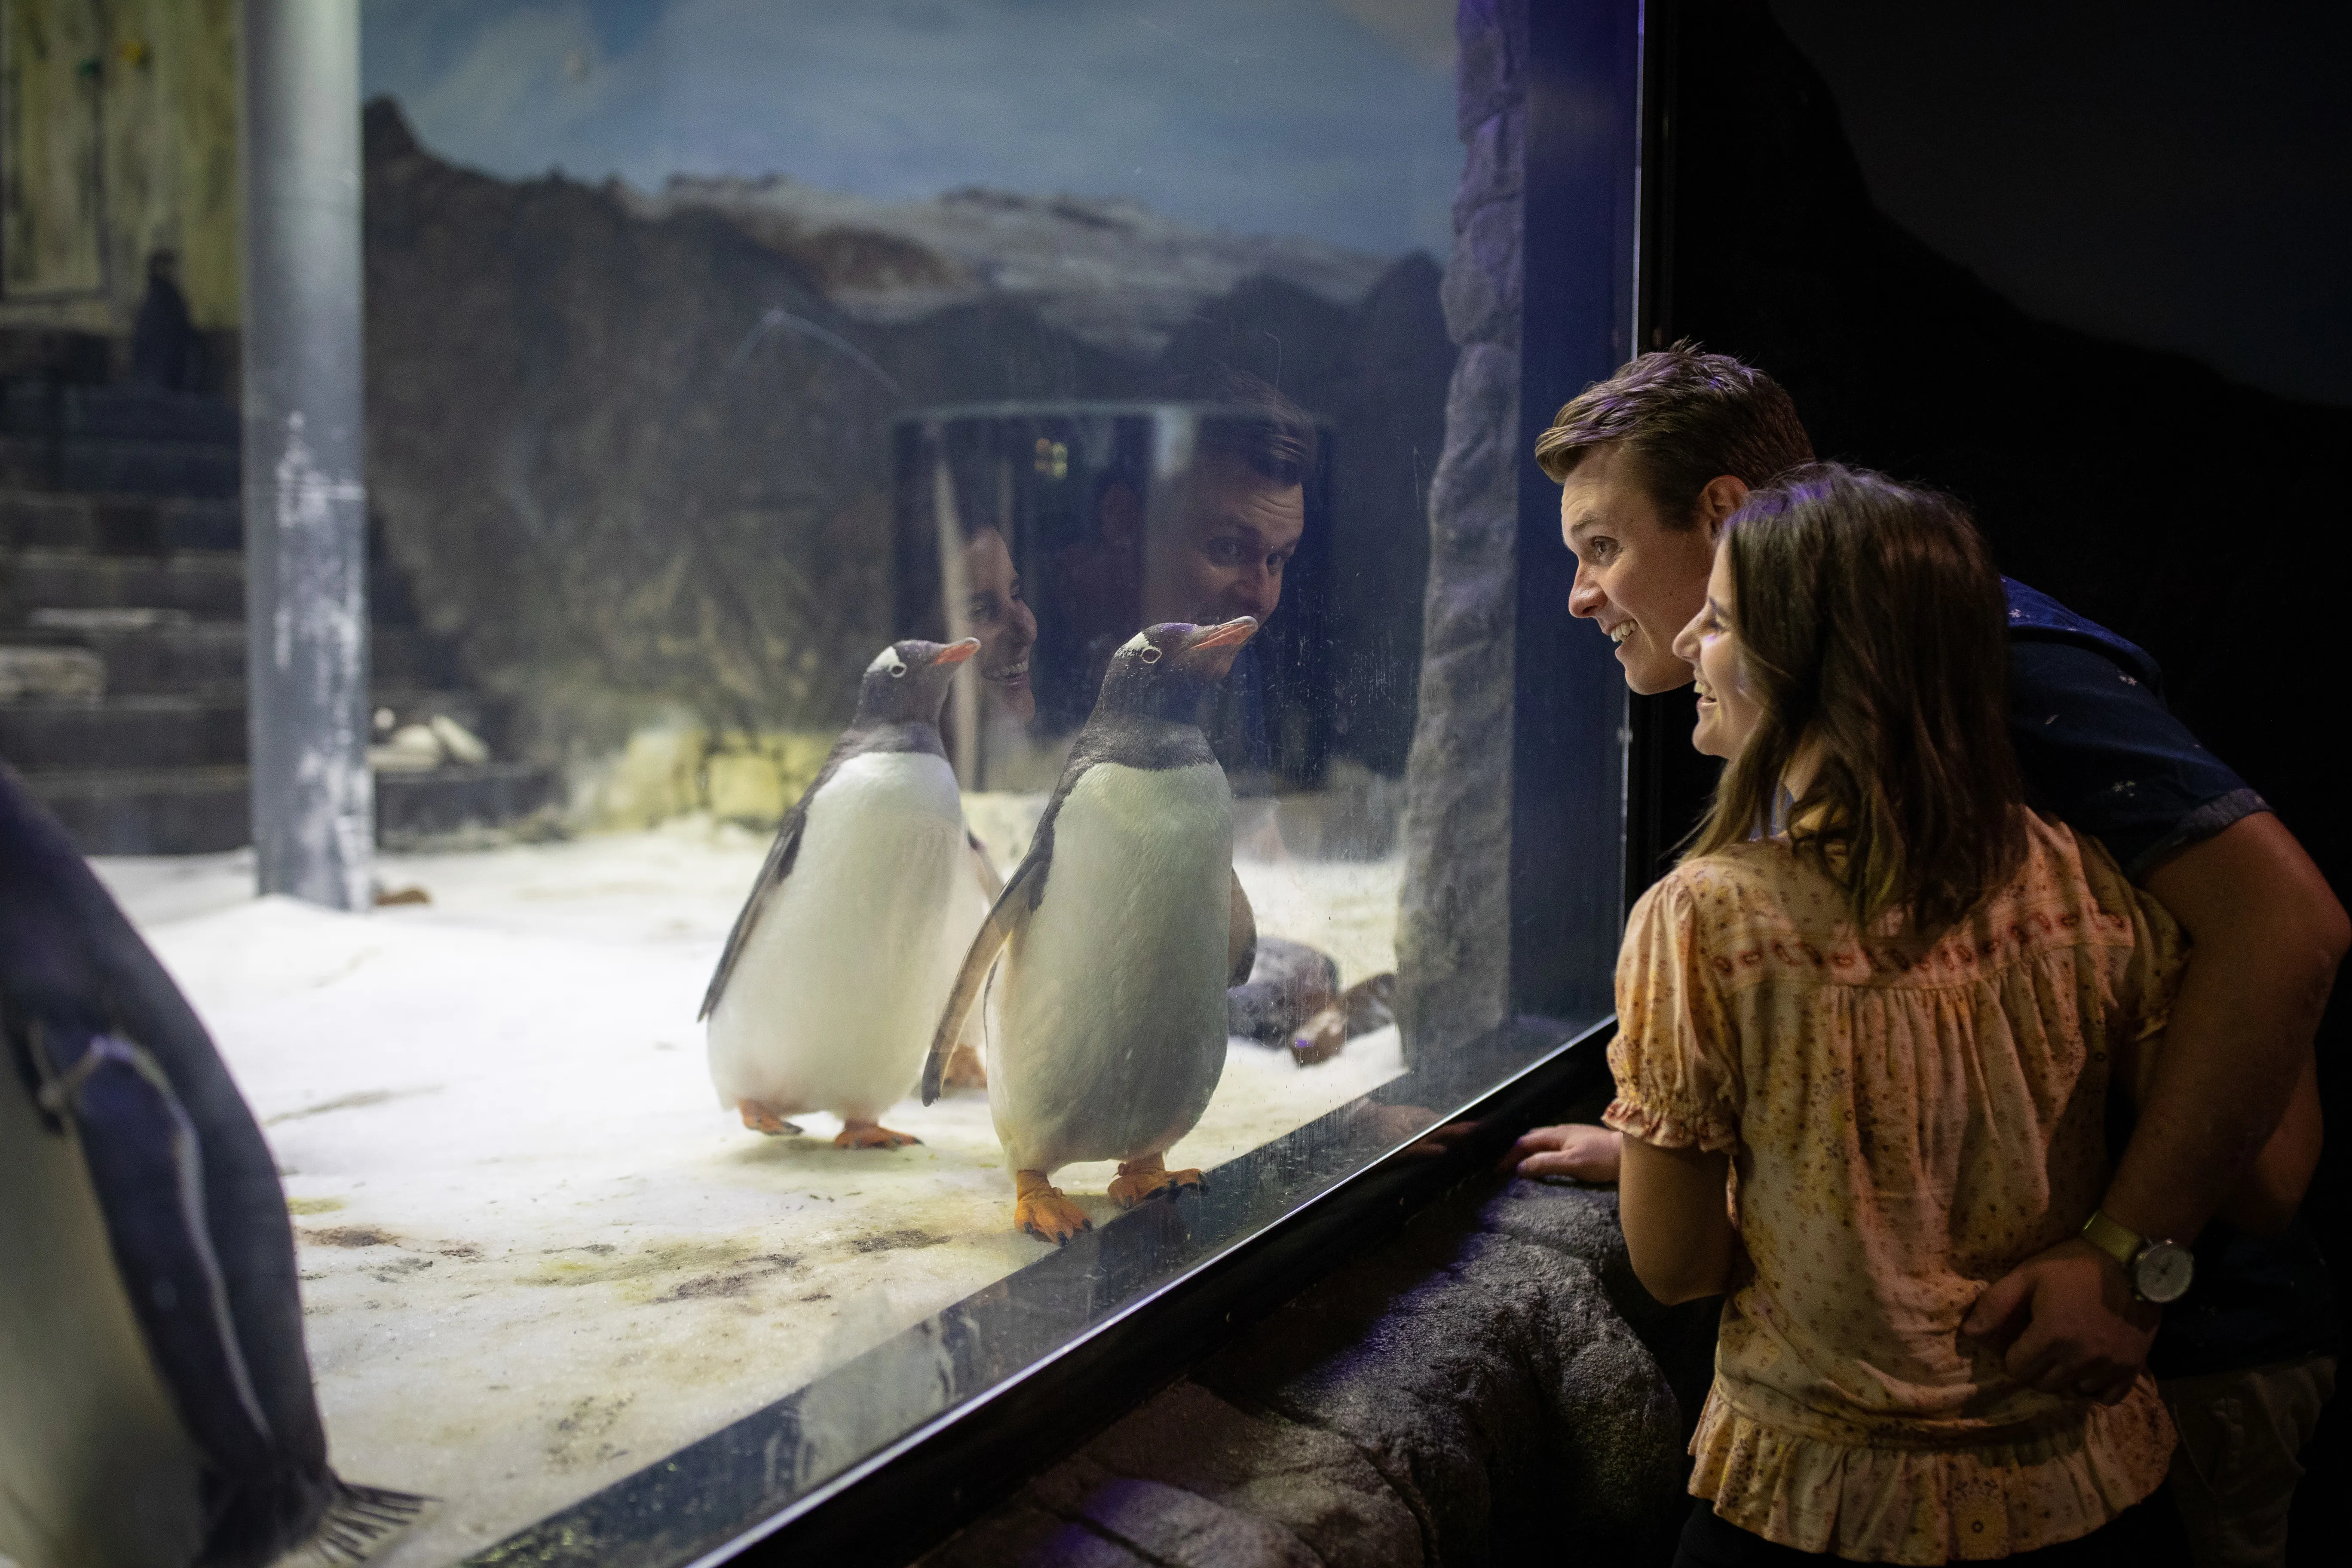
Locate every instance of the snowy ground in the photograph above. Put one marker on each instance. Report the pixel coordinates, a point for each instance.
(537, 1255)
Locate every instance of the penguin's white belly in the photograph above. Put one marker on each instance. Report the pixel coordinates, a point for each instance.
(95, 1466)
(844, 973)
(1112, 1034)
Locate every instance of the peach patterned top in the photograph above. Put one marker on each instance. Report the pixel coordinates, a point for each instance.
(1906, 1122)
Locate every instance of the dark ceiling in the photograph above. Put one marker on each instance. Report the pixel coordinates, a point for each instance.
(2173, 174)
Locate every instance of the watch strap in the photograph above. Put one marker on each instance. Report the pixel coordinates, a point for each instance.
(2119, 1242)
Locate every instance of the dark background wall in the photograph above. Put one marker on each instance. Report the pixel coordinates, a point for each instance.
(2106, 187)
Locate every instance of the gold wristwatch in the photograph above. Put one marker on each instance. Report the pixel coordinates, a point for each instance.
(2159, 1271)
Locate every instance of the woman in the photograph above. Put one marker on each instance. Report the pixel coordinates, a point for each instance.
(1885, 1000)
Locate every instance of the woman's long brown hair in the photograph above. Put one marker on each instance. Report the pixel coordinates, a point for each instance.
(1872, 622)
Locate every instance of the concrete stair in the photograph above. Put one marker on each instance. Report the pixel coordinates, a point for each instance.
(116, 440)
(123, 636)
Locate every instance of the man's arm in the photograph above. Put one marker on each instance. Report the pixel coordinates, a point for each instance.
(2269, 1193)
(2268, 935)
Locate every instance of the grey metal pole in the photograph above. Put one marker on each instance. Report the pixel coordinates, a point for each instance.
(305, 495)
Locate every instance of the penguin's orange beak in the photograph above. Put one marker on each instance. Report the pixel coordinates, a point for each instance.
(1231, 633)
(1211, 648)
(957, 652)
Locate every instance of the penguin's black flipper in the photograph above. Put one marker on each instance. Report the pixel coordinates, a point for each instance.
(1240, 939)
(989, 882)
(1010, 913)
(145, 1163)
(772, 872)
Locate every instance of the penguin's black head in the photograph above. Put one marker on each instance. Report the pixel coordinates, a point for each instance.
(908, 681)
(1163, 669)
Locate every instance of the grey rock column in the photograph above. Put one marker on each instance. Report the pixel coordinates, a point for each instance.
(1454, 948)
(305, 499)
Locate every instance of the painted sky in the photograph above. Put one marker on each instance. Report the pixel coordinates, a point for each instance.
(1332, 119)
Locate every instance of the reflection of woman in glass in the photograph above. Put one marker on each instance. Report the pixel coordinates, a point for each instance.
(995, 613)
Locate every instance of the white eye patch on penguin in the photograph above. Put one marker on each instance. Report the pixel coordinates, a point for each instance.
(912, 656)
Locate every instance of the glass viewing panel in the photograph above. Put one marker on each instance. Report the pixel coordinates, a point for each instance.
(1104, 338)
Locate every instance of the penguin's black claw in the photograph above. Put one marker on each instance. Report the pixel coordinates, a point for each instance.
(1140, 1181)
(1042, 1211)
(1178, 1188)
(359, 1517)
(871, 1135)
(760, 1119)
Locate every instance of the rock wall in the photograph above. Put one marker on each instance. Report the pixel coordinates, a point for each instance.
(1454, 929)
(624, 497)
(1473, 1392)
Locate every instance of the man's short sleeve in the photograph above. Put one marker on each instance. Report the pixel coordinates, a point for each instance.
(2098, 747)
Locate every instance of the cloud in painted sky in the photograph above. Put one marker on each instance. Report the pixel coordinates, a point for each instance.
(1332, 119)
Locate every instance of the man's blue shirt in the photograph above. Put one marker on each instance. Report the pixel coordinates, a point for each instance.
(2101, 751)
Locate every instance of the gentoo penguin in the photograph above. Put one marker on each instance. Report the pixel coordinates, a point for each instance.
(837, 967)
(1121, 932)
(155, 1401)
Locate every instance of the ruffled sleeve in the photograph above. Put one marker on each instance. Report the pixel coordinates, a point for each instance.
(1674, 1054)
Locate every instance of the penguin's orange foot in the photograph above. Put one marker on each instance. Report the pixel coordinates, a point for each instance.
(870, 1135)
(1042, 1210)
(965, 1071)
(760, 1119)
(1148, 1178)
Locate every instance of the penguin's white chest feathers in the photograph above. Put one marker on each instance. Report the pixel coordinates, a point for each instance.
(1113, 1027)
(843, 974)
(95, 1466)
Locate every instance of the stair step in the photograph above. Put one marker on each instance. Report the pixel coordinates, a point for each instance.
(147, 413)
(187, 656)
(151, 811)
(419, 805)
(138, 467)
(53, 353)
(156, 660)
(197, 811)
(203, 726)
(209, 584)
(123, 732)
(118, 524)
(46, 407)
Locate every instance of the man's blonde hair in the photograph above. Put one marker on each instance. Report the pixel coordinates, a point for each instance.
(1687, 416)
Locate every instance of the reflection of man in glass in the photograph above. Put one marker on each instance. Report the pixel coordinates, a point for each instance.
(1217, 545)
(995, 613)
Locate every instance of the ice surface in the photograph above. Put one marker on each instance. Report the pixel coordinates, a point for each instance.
(535, 1256)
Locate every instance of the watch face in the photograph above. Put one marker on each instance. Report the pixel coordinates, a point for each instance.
(2162, 1272)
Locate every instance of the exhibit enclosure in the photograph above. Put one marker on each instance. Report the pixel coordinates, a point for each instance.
(1021, 782)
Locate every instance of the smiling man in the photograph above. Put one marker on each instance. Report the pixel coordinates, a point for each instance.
(1651, 462)
(1218, 544)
